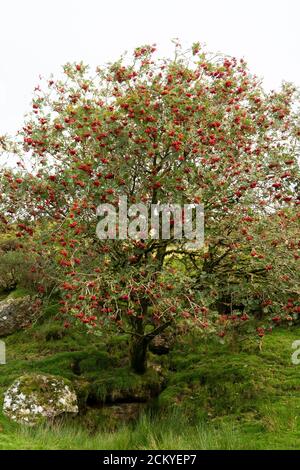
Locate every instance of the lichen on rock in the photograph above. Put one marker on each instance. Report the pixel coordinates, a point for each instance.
(32, 398)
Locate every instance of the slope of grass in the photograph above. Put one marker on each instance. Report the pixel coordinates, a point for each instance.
(222, 398)
(256, 392)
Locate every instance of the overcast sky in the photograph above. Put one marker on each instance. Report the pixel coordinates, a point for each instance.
(38, 36)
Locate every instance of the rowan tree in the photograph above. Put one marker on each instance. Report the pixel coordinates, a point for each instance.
(195, 128)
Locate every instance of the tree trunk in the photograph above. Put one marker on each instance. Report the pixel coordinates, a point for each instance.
(140, 341)
(138, 354)
(139, 348)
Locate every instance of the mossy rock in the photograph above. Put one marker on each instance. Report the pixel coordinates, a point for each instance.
(16, 314)
(32, 398)
(109, 418)
(162, 344)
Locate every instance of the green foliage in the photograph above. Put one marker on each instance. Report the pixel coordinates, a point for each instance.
(14, 269)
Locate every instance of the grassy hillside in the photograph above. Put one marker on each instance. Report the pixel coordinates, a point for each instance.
(222, 398)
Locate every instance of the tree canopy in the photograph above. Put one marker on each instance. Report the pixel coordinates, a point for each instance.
(195, 128)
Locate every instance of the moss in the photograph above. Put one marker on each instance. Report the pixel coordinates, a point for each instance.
(257, 392)
(55, 333)
(18, 293)
(112, 417)
(211, 380)
(125, 386)
(95, 362)
(98, 367)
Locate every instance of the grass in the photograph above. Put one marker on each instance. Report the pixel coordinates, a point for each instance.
(148, 433)
(161, 433)
(222, 398)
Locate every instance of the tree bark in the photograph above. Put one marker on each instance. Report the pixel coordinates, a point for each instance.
(139, 348)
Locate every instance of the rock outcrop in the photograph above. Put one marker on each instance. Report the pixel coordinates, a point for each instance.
(161, 344)
(33, 398)
(15, 314)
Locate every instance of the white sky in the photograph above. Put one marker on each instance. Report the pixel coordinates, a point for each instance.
(38, 36)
